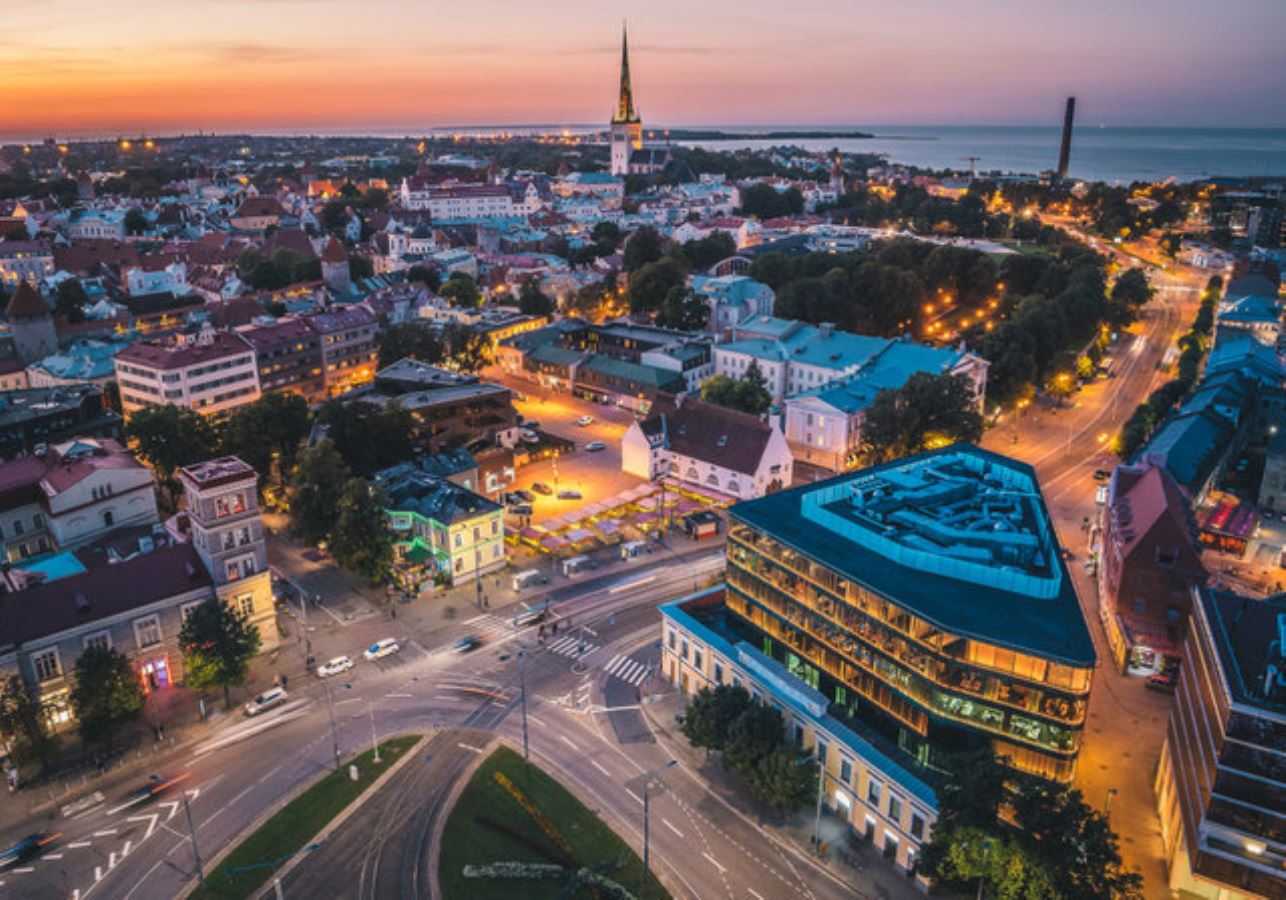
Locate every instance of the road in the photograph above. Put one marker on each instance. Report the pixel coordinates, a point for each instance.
(249, 766)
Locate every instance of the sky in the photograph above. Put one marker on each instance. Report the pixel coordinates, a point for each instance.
(79, 67)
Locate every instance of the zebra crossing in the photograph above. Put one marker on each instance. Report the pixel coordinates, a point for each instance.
(570, 646)
(627, 670)
(491, 627)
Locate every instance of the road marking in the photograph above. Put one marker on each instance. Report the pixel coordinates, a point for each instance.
(755, 893)
(111, 860)
(471, 748)
(349, 700)
(23, 869)
(532, 718)
(398, 696)
(127, 804)
(79, 844)
(91, 809)
(417, 646)
(174, 808)
(98, 874)
(242, 794)
(564, 739)
(105, 832)
(666, 823)
(125, 849)
(715, 862)
(630, 584)
(151, 823)
(52, 856)
(634, 795)
(594, 763)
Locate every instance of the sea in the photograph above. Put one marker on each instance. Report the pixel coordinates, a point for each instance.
(1113, 154)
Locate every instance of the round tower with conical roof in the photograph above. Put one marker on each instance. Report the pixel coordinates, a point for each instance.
(31, 323)
(334, 266)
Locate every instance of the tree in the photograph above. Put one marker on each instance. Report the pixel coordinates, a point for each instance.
(429, 277)
(929, 410)
(410, 340)
(642, 247)
(532, 301)
(703, 253)
(360, 539)
(468, 350)
(106, 694)
(135, 221)
(22, 716)
(741, 394)
(218, 644)
(708, 718)
(316, 484)
(683, 310)
(755, 733)
(461, 290)
(360, 267)
(368, 436)
(766, 202)
(606, 237)
(170, 437)
(783, 780)
(70, 300)
(268, 431)
(649, 285)
(334, 216)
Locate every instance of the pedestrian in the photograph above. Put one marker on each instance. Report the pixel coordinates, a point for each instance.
(284, 679)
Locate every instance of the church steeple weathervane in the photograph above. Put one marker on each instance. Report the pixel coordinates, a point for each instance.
(625, 112)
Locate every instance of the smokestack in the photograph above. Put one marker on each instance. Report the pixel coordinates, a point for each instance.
(1065, 149)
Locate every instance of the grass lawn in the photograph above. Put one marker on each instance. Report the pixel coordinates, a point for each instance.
(488, 825)
(297, 823)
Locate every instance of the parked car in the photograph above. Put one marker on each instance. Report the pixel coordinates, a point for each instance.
(1164, 682)
(334, 666)
(1102, 474)
(543, 489)
(568, 494)
(594, 446)
(466, 644)
(265, 701)
(524, 496)
(585, 420)
(381, 649)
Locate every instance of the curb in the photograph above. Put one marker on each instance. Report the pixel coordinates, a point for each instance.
(439, 827)
(294, 794)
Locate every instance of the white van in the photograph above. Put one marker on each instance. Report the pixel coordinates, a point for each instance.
(381, 649)
(529, 578)
(631, 549)
(265, 701)
(577, 564)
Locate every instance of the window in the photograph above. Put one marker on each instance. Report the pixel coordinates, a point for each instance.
(821, 751)
(917, 826)
(895, 808)
(495, 527)
(229, 541)
(46, 665)
(243, 536)
(147, 631)
(108, 518)
(186, 610)
(102, 640)
(477, 533)
(244, 605)
(17, 526)
(671, 640)
(718, 673)
(684, 651)
(873, 793)
(37, 521)
(696, 657)
(459, 539)
(846, 770)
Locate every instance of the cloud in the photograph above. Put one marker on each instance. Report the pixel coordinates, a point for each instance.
(258, 53)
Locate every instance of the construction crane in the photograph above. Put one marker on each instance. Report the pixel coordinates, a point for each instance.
(973, 163)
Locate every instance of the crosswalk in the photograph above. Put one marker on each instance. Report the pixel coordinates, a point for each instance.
(627, 670)
(572, 647)
(491, 627)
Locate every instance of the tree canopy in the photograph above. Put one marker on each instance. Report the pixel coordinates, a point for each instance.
(683, 310)
(928, 410)
(766, 202)
(368, 436)
(532, 301)
(461, 290)
(268, 432)
(359, 537)
(218, 644)
(642, 247)
(316, 483)
(748, 394)
(106, 694)
(649, 284)
(170, 437)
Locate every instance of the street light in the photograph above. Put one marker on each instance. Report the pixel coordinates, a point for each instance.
(647, 780)
(821, 790)
(375, 747)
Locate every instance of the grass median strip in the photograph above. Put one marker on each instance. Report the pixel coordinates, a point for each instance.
(522, 834)
(252, 863)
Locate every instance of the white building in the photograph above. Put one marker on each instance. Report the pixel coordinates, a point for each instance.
(143, 280)
(96, 223)
(709, 447)
(211, 373)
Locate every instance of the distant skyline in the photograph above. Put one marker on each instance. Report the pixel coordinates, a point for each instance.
(80, 67)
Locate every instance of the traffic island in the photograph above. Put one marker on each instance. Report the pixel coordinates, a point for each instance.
(516, 832)
(297, 827)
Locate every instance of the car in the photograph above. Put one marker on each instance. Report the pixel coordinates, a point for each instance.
(334, 666)
(26, 849)
(594, 446)
(568, 494)
(265, 701)
(381, 649)
(1102, 474)
(585, 420)
(543, 489)
(155, 786)
(467, 644)
(529, 437)
(1164, 682)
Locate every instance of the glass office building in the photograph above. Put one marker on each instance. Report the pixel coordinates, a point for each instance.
(927, 598)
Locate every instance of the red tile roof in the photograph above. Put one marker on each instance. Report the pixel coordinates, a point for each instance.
(86, 255)
(26, 303)
(171, 355)
(254, 207)
(333, 252)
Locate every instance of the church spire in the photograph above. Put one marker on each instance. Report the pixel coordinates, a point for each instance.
(625, 104)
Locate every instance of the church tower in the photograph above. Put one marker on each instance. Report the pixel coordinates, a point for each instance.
(627, 127)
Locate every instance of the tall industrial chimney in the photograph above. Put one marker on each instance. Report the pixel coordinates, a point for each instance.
(1065, 149)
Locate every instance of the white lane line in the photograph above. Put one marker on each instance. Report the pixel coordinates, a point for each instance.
(239, 796)
(755, 893)
(268, 775)
(612, 665)
(531, 718)
(146, 875)
(105, 832)
(634, 795)
(23, 869)
(666, 823)
(349, 700)
(631, 584)
(594, 763)
(111, 860)
(52, 856)
(477, 618)
(471, 748)
(564, 739)
(126, 805)
(714, 862)
(124, 850)
(398, 696)
(98, 874)
(79, 844)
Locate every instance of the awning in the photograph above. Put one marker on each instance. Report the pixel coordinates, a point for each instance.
(553, 541)
(580, 534)
(417, 554)
(608, 526)
(531, 533)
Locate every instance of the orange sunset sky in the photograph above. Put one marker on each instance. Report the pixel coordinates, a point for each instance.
(70, 67)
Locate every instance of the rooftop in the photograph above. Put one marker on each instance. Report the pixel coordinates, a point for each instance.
(959, 536)
(224, 470)
(190, 351)
(410, 489)
(1250, 638)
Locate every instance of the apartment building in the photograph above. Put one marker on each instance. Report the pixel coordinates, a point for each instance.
(212, 373)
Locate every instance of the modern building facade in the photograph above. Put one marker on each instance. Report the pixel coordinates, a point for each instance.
(926, 598)
(448, 409)
(348, 348)
(1221, 782)
(212, 373)
(288, 353)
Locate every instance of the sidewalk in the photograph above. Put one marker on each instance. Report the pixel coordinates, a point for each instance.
(848, 858)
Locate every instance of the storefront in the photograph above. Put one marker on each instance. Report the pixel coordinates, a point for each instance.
(155, 673)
